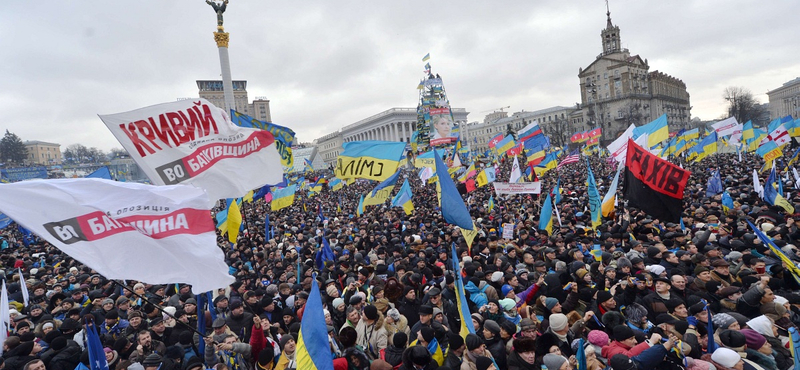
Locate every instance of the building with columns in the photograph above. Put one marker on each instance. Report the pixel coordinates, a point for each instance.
(785, 100)
(395, 124)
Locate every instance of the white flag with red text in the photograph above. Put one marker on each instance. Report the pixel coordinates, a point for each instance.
(154, 234)
(194, 142)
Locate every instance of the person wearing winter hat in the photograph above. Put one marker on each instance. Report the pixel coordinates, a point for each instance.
(484, 363)
(455, 352)
(723, 321)
(552, 305)
(287, 359)
(621, 362)
(495, 345)
(733, 339)
(393, 354)
(475, 349)
(758, 352)
(417, 357)
(372, 336)
(728, 358)
(598, 339)
(523, 355)
(625, 343)
(555, 362)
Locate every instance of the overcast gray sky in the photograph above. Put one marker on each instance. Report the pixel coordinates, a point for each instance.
(326, 64)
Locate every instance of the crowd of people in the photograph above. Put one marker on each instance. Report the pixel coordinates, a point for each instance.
(536, 301)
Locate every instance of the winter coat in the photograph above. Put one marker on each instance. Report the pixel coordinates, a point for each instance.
(372, 338)
(67, 358)
(618, 348)
(393, 355)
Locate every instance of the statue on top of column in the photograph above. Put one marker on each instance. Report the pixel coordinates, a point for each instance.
(219, 9)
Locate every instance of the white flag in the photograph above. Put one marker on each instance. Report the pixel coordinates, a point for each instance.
(516, 173)
(456, 161)
(757, 185)
(619, 148)
(425, 174)
(194, 142)
(24, 288)
(726, 127)
(154, 234)
(796, 178)
(5, 316)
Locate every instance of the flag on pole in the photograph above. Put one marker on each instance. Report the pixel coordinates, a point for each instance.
(546, 216)
(97, 356)
(714, 185)
(313, 349)
(654, 185)
(461, 298)
(572, 158)
(454, 210)
(516, 173)
(324, 254)
(426, 57)
(96, 221)
(24, 287)
(777, 252)
(403, 198)
(610, 199)
(360, 209)
(5, 316)
(594, 198)
(773, 197)
(234, 220)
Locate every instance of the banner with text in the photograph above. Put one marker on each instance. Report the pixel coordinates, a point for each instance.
(283, 135)
(100, 222)
(194, 142)
(501, 188)
(23, 173)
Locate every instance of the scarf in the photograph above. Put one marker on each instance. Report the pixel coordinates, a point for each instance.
(664, 296)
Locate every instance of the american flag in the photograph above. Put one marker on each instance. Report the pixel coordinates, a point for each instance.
(572, 158)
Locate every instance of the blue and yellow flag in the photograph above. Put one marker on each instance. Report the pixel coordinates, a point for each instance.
(371, 159)
(386, 183)
(546, 216)
(690, 135)
(657, 131)
(284, 136)
(454, 210)
(706, 147)
(505, 144)
(336, 184)
(548, 163)
(727, 202)
(282, 197)
(769, 151)
(594, 198)
(461, 298)
(360, 209)
(307, 167)
(773, 197)
(313, 349)
(403, 198)
(777, 252)
(427, 57)
(491, 203)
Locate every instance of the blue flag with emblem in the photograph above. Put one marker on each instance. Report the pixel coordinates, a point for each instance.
(97, 357)
(714, 185)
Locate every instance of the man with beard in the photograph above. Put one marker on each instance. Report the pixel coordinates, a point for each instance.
(240, 321)
(145, 346)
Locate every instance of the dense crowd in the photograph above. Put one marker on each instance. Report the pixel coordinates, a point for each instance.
(536, 301)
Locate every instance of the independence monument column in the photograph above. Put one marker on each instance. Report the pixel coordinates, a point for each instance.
(221, 37)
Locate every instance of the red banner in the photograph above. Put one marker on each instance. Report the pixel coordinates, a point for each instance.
(656, 173)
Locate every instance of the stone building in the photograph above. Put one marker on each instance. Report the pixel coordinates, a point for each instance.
(211, 90)
(785, 100)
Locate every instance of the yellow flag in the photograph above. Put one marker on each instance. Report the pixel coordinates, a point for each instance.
(234, 221)
(481, 180)
(469, 235)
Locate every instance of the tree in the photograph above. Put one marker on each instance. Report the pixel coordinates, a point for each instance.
(559, 131)
(117, 153)
(76, 153)
(742, 104)
(12, 150)
(97, 155)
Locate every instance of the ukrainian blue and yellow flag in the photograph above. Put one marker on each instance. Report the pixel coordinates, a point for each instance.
(548, 163)
(461, 298)
(313, 349)
(505, 144)
(535, 155)
(657, 131)
(371, 159)
(773, 197)
(557, 192)
(360, 209)
(727, 202)
(790, 265)
(282, 197)
(234, 220)
(403, 198)
(690, 135)
(336, 184)
(706, 147)
(491, 203)
(546, 216)
(427, 57)
(307, 166)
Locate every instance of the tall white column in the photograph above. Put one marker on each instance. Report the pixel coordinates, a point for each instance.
(394, 132)
(222, 37)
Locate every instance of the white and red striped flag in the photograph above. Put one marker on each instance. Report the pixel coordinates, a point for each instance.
(572, 158)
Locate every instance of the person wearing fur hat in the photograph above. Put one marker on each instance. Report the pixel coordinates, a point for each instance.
(395, 323)
(523, 355)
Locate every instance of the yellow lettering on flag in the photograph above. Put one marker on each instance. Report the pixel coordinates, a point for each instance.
(380, 197)
(469, 235)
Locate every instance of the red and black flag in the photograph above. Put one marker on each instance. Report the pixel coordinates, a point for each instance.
(654, 185)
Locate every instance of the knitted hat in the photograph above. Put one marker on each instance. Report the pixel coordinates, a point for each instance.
(483, 363)
(456, 341)
(399, 340)
(394, 314)
(427, 333)
(558, 321)
(754, 340)
(507, 288)
(598, 338)
(722, 320)
(622, 332)
(331, 290)
(621, 362)
(338, 302)
(553, 361)
(497, 276)
(527, 324)
(508, 304)
(726, 357)
(550, 302)
(603, 296)
(492, 326)
(732, 339)
(285, 339)
(473, 341)
(371, 312)
(152, 359)
(635, 313)
(581, 273)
